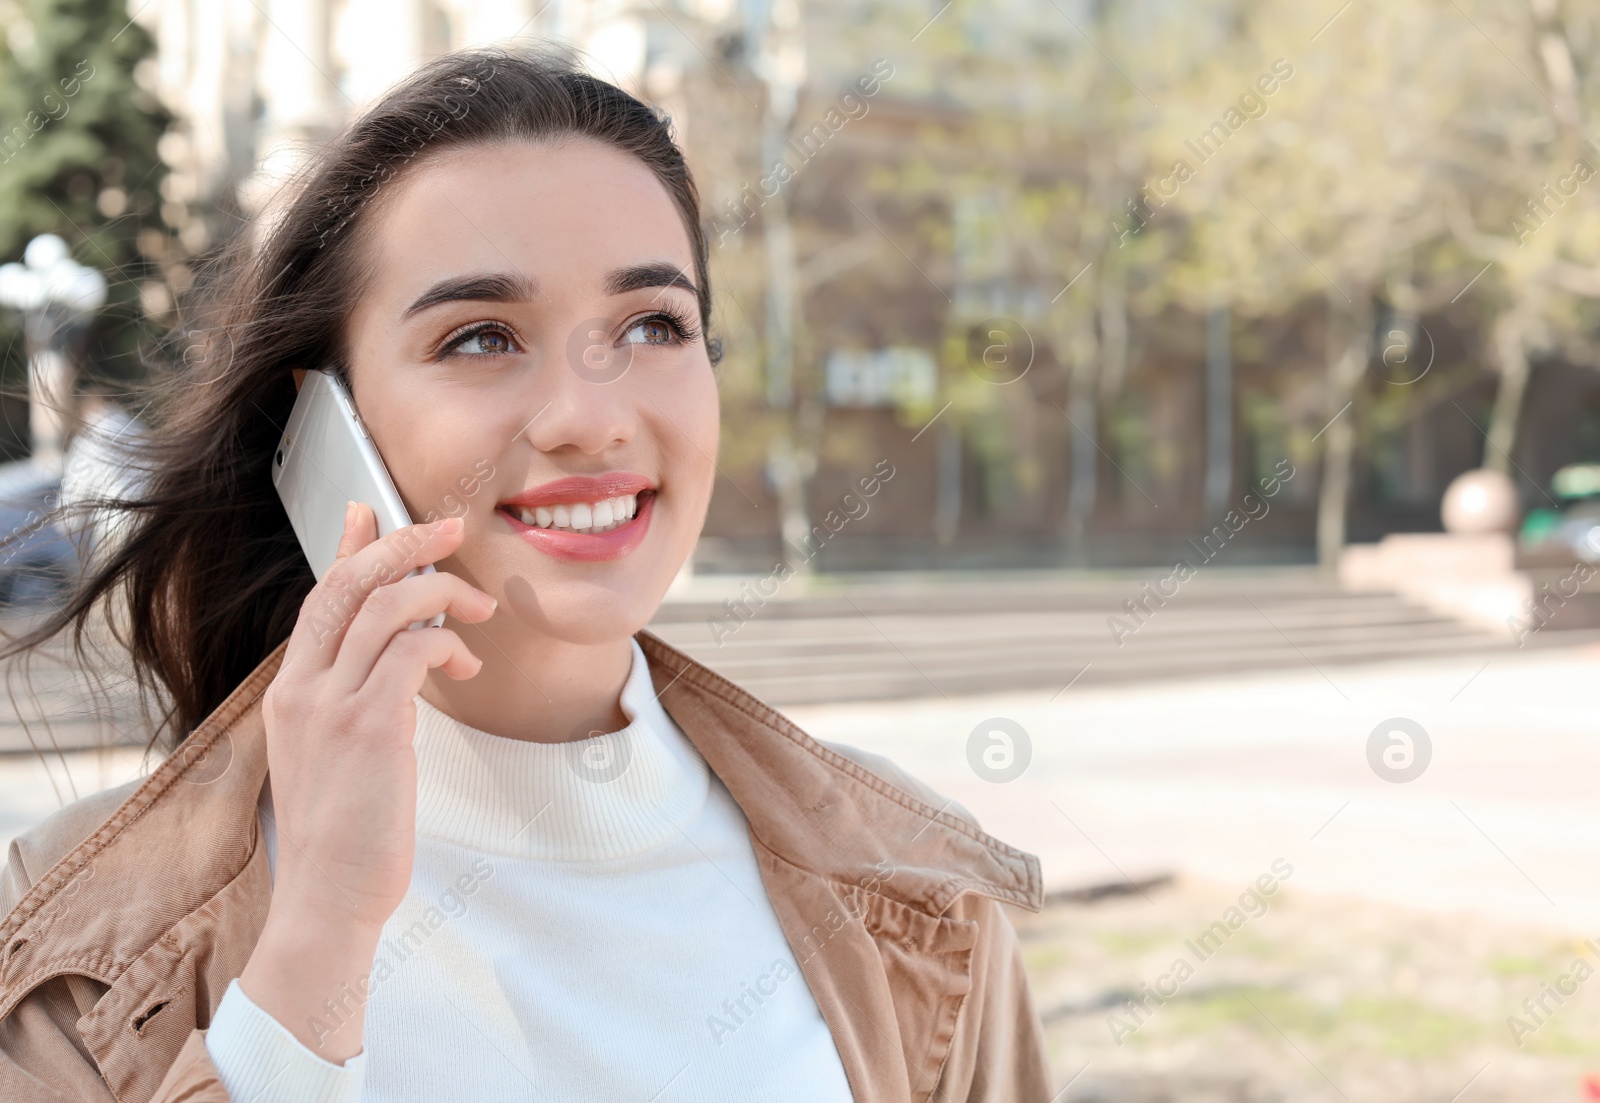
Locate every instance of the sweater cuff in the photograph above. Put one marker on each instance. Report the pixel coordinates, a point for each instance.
(259, 1061)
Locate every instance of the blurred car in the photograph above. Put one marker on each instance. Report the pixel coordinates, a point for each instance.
(43, 557)
(1573, 526)
(38, 561)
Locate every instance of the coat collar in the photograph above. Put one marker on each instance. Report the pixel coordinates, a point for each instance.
(194, 819)
(825, 813)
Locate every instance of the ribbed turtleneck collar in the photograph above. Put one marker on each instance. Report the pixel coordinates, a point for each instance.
(596, 799)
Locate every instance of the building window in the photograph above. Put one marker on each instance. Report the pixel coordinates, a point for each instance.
(898, 376)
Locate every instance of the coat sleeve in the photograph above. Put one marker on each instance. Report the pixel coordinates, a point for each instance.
(192, 1077)
(43, 1058)
(999, 1053)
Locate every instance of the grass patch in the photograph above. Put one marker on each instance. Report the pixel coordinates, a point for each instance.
(1396, 1027)
(1511, 965)
(1136, 943)
(1042, 959)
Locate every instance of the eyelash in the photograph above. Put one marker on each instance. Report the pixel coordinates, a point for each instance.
(684, 330)
(452, 342)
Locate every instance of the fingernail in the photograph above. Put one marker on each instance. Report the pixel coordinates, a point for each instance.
(448, 524)
(349, 515)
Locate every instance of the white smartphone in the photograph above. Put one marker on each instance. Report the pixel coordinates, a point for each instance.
(326, 458)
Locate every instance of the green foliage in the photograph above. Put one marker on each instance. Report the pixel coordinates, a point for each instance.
(78, 156)
(1393, 1026)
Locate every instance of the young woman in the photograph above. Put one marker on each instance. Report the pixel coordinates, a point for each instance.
(534, 853)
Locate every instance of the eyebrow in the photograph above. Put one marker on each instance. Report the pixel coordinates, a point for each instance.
(657, 274)
(492, 287)
(502, 287)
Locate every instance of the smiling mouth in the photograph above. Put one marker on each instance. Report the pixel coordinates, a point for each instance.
(587, 518)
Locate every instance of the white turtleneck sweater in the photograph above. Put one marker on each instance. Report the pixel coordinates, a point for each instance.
(585, 922)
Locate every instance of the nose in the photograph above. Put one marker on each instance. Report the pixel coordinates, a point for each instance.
(582, 400)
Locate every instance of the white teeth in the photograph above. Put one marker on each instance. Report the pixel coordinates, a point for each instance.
(586, 517)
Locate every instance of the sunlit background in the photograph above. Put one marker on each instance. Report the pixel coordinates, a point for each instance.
(1171, 430)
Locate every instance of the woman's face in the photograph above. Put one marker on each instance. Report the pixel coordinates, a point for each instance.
(527, 356)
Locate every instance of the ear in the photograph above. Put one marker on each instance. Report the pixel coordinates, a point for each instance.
(299, 378)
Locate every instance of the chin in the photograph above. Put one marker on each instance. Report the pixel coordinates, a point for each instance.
(581, 612)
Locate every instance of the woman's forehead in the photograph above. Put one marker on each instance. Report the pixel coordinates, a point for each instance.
(571, 210)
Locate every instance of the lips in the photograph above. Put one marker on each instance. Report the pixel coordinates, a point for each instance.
(580, 488)
(560, 507)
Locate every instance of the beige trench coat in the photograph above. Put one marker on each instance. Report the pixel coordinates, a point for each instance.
(127, 912)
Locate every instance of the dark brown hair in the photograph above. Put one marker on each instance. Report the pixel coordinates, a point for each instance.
(210, 577)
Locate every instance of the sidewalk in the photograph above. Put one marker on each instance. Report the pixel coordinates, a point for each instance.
(33, 786)
(1217, 778)
(1220, 777)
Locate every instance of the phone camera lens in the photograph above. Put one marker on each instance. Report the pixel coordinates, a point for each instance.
(279, 457)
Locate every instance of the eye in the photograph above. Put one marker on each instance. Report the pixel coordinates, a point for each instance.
(651, 331)
(480, 339)
(664, 327)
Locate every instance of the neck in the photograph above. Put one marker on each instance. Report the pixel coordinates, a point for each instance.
(534, 687)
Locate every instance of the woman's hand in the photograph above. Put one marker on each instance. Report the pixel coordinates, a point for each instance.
(340, 719)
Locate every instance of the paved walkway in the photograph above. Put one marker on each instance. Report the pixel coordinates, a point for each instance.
(1220, 777)
(31, 787)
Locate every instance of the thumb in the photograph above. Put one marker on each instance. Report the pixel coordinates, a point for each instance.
(354, 527)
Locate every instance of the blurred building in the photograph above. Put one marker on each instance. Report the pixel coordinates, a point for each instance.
(254, 83)
(883, 284)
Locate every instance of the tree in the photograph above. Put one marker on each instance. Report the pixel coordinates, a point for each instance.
(1531, 169)
(78, 135)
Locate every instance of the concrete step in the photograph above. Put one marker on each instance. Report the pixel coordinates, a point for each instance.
(899, 637)
(909, 637)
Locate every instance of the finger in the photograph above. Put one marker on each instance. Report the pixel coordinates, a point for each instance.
(332, 603)
(388, 611)
(404, 664)
(358, 531)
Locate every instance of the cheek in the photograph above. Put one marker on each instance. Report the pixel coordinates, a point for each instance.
(687, 422)
(708, 426)
(435, 447)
